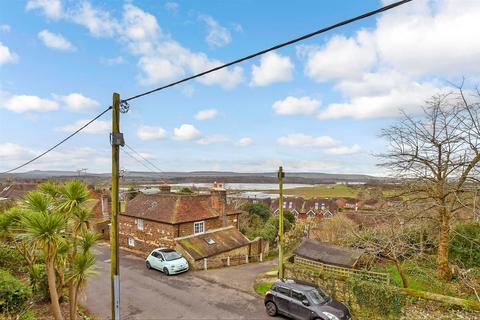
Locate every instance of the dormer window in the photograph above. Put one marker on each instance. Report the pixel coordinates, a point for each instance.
(198, 227)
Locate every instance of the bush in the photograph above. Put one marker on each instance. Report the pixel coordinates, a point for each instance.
(14, 294)
(464, 245)
(39, 281)
(258, 209)
(10, 258)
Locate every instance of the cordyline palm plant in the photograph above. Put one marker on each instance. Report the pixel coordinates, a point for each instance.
(46, 229)
(54, 219)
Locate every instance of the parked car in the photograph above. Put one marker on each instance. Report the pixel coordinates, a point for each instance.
(166, 260)
(302, 301)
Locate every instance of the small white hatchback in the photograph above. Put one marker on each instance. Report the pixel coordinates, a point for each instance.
(166, 260)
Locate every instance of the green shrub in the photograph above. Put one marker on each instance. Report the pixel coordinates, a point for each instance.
(14, 294)
(381, 300)
(39, 281)
(10, 258)
(464, 248)
(27, 315)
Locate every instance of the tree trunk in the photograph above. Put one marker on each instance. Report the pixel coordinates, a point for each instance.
(73, 301)
(55, 306)
(402, 274)
(443, 267)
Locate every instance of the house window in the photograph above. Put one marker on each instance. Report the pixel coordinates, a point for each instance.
(131, 242)
(140, 224)
(198, 227)
(316, 205)
(210, 241)
(290, 205)
(284, 204)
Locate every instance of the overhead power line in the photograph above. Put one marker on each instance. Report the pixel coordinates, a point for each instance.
(149, 168)
(59, 143)
(278, 46)
(143, 158)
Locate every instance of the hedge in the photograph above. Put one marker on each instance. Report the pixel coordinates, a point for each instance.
(14, 294)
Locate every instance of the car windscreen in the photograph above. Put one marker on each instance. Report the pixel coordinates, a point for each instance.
(317, 296)
(171, 255)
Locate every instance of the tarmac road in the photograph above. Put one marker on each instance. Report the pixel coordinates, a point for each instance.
(149, 294)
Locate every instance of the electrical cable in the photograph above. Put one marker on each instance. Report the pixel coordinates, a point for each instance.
(278, 46)
(145, 159)
(59, 143)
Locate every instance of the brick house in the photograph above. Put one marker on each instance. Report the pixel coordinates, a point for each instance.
(155, 220)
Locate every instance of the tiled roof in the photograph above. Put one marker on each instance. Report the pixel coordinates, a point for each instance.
(225, 239)
(16, 191)
(172, 208)
(328, 253)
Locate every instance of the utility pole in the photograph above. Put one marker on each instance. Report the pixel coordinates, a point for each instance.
(281, 175)
(116, 140)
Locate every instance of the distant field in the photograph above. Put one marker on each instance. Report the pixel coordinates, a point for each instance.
(326, 191)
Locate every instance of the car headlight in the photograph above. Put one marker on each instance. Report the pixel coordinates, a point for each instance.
(330, 316)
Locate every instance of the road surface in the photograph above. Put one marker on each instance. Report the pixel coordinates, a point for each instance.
(149, 294)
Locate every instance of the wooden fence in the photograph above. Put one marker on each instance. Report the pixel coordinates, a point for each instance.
(228, 261)
(379, 277)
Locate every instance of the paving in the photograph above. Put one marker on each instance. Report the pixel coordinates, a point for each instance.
(149, 294)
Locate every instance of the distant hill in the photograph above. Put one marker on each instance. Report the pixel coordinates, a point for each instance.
(202, 176)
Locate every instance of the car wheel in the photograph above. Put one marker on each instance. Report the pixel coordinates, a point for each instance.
(148, 265)
(165, 270)
(271, 309)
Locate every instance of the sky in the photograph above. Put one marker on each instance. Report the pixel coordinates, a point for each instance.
(317, 106)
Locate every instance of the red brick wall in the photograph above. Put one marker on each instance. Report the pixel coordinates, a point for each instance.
(153, 235)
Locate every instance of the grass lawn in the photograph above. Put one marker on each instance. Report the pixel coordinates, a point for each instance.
(262, 287)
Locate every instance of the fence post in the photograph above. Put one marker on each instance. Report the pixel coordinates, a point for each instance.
(261, 257)
(205, 263)
(228, 261)
(246, 258)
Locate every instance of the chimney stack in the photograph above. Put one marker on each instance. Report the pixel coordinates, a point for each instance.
(219, 200)
(164, 187)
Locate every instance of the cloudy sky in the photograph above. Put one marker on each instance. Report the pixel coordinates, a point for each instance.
(316, 106)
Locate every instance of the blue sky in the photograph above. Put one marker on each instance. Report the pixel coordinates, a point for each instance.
(315, 106)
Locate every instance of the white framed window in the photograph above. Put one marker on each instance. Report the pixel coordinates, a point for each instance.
(198, 227)
(131, 242)
(140, 225)
(284, 204)
(290, 205)
(316, 205)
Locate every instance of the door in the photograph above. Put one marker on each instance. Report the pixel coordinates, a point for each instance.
(296, 307)
(157, 260)
(282, 299)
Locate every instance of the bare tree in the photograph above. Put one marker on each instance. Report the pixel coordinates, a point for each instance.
(438, 154)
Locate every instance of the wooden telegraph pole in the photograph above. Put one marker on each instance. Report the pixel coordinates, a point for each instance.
(281, 175)
(116, 140)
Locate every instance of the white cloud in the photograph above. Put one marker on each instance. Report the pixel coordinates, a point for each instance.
(303, 140)
(55, 41)
(171, 7)
(206, 114)
(218, 36)
(396, 65)
(151, 133)
(5, 28)
(112, 61)
(77, 102)
(341, 150)
(244, 142)
(340, 58)
(386, 102)
(212, 139)
(273, 68)
(6, 56)
(185, 132)
(50, 8)
(11, 155)
(96, 127)
(99, 22)
(26, 103)
(292, 105)
(8, 150)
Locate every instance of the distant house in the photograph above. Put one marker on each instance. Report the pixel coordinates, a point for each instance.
(156, 220)
(16, 191)
(218, 248)
(307, 208)
(328, 253)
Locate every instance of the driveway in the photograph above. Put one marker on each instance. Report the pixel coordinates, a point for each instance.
(149, 294)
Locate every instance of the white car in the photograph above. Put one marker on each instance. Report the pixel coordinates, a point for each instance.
(166, 260)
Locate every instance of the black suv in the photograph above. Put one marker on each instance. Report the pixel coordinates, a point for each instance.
(303, 301)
